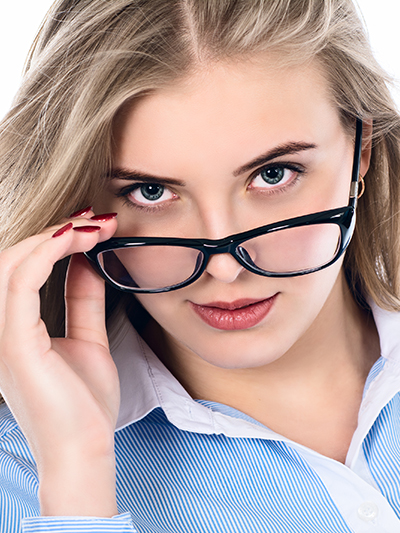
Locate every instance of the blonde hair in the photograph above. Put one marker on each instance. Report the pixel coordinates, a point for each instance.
(92, 56)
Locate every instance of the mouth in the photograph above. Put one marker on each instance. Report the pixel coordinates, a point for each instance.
(237, 315)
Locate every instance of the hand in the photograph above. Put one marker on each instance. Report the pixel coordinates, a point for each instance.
(63, 392)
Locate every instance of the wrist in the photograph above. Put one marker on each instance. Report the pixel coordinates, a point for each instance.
(78, 487)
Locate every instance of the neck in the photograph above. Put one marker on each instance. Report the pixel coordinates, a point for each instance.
(311, 394)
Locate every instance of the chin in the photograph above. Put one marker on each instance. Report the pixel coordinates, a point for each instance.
(239, 349)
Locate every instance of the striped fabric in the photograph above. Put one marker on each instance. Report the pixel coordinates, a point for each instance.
(186, 466)
(122, 524)
(216, 483)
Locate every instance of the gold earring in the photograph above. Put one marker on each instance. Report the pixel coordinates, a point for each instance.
(362, 183)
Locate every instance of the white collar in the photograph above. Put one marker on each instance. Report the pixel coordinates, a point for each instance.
(147, 384)
(385, 384)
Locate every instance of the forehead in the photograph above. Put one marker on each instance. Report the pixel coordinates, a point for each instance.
(227, 103)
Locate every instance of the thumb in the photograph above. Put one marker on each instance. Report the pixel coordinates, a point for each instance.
(85, 303)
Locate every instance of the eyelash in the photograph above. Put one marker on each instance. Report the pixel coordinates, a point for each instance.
(300, 171)
(126, 191)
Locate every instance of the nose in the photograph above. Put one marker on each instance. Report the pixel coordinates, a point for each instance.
(223, 267)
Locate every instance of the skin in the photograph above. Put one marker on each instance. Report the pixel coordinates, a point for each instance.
(302, 367)
(67, 412)
(301, 371)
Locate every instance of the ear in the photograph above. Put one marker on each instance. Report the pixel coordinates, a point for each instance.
(366, 147)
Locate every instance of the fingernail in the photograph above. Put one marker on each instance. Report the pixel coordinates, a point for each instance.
(87, 229)
(63, 230)
(104, 218)
(81, 212)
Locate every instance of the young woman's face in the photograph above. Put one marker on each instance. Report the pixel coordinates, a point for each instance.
(231, 148)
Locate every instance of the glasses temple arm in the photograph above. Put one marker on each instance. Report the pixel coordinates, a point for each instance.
(356, 164)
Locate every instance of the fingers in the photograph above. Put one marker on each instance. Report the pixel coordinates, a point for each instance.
(51, 387)
(27, 266)
(85, 295)
(85, 303)
(9, 261)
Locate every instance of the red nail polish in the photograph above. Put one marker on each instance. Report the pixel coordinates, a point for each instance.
(87, 229)
(81, 212)
(63, 230)
(104, 218)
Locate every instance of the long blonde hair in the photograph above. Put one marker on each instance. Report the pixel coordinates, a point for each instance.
(92, 56)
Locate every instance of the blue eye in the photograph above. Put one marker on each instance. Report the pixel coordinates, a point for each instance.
(152, 192)
(273, 175)
(151, 195)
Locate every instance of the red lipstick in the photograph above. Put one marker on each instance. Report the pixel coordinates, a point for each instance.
(240, 314)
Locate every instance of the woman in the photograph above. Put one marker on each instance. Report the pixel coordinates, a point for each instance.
(224, 148)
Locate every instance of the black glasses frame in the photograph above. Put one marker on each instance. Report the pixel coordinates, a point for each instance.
(344, 217)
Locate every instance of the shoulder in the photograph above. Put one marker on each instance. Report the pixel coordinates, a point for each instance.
(18, 475)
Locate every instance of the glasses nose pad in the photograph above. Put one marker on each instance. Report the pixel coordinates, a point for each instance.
(243, 254)
(199, 263)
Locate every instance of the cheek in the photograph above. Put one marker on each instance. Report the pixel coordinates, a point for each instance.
(306, 296)
(167, 309)
(314, 287)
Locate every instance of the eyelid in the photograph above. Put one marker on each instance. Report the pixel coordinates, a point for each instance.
(295, 167)
(125, 191)
(134, 186)
(279, 188)
(280, 164)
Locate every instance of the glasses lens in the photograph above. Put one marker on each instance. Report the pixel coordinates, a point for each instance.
(150, 267)
(293, 250)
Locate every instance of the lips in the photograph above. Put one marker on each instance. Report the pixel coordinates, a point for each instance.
(240, 314)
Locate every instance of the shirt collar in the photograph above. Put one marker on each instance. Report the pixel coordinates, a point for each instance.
(147, 384)
(388, 326)
(384, 385)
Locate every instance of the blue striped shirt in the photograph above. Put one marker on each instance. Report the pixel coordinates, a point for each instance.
(187, 466)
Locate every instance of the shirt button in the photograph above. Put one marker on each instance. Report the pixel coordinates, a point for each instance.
(368, 511)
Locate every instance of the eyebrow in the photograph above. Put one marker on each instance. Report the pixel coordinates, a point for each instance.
(134, 175)
(279, 151)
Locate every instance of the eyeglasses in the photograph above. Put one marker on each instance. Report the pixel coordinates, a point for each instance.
(292, 247)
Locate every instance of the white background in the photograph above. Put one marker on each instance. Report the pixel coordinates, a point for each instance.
(20, 19)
